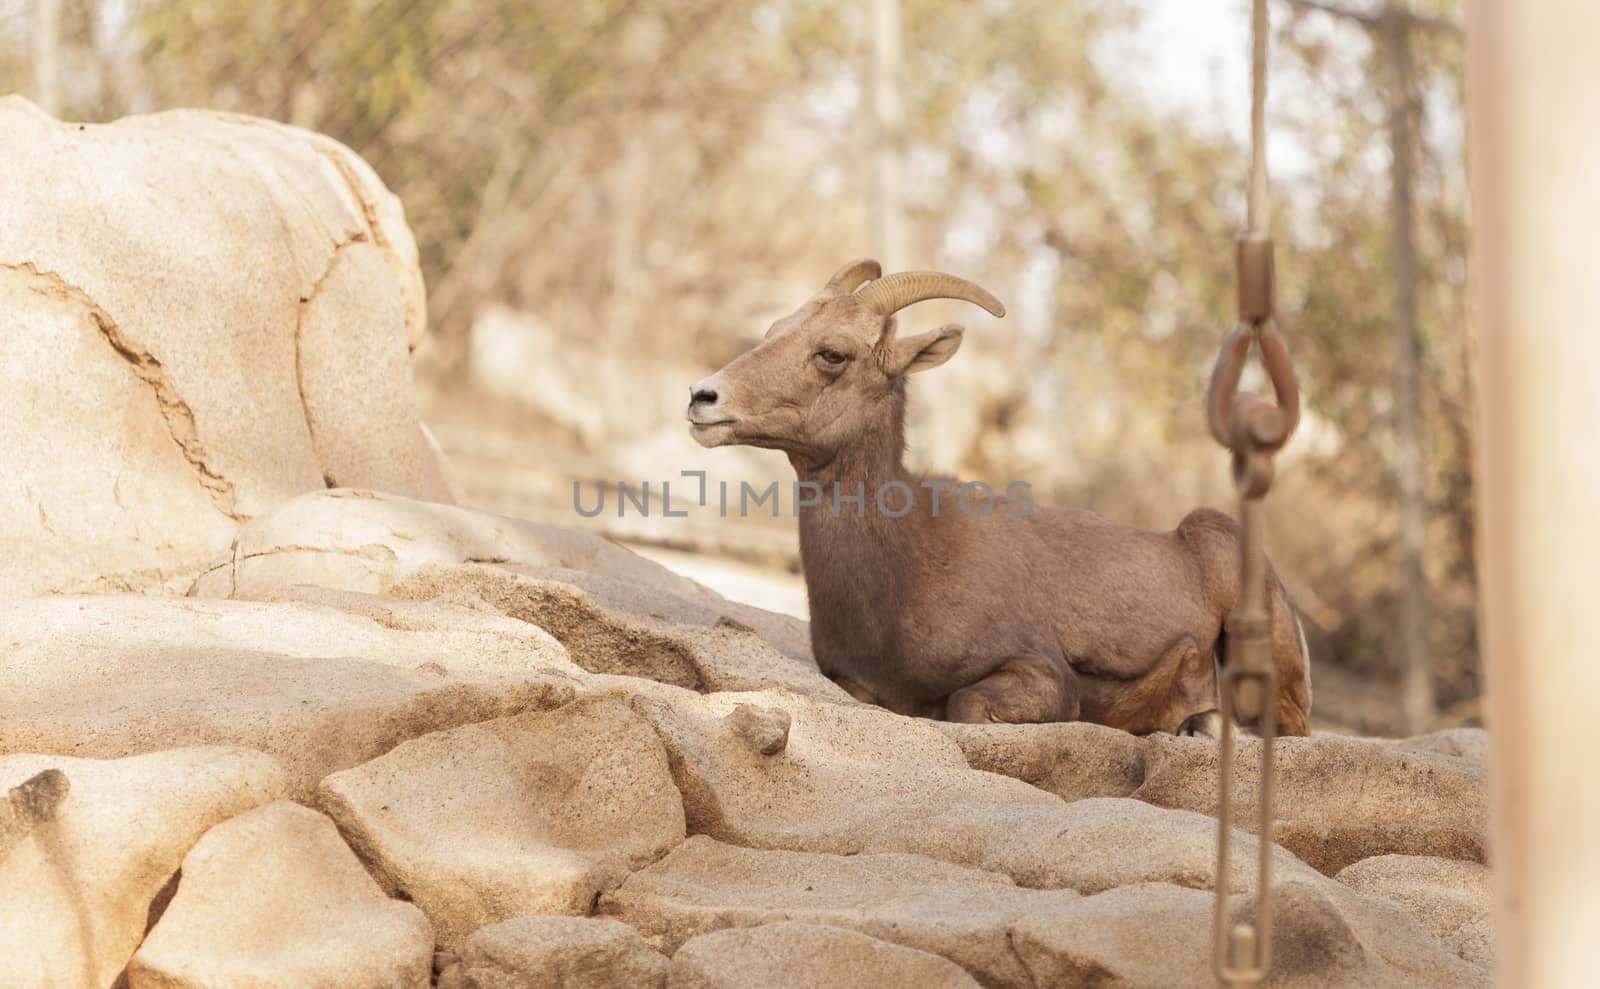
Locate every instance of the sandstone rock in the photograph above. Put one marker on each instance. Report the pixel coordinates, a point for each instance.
(807, 956)
(1160, 936)
(1339, 800)
(561, 953)
(320, 689)
(82, 882)
(962, 914)
(1154, 934)
(616, 612)
(382, 537)
(80, 495)
(274, 898)
(1073, 760)
(858, 779)
(154, 338)
(538, 813)
(354, 369)
(621, 628)
(1451, 898)
(1471, 744)
(847, 773)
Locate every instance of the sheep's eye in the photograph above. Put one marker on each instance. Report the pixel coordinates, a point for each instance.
(832, 357)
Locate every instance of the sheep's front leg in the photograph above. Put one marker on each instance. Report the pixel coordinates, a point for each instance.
(1025, 690)
(855, 689)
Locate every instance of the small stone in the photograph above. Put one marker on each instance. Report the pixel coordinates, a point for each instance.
(765, 729)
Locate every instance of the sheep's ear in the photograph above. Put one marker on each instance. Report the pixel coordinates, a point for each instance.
(923, 351)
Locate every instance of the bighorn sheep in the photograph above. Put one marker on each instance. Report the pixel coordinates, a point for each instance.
(982, 610)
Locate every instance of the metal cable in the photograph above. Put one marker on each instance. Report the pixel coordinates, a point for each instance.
(1256, 214)
(1253, 429)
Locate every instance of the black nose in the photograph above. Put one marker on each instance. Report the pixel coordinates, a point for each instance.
(702, 396)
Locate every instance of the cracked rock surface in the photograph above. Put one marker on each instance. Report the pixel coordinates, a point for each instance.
(248, 334)
(535, 814)
(81, 885)
(274, 899)
(274, 711)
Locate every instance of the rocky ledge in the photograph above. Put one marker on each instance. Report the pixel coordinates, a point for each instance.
(551, 763)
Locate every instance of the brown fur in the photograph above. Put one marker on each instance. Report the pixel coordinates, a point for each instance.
(1054, 615)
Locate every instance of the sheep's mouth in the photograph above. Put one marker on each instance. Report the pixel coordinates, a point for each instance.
(709, 434)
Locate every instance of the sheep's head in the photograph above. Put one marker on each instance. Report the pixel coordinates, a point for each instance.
(833, 369)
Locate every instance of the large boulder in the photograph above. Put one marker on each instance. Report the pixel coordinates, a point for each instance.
(203, 315)
(616, 612)
(851, 778)
(539, 813)
(1161, 936)
(1139, 934)
(364, 540)
(1449, 897)
(1072, 760)
(1339, 800)
(84, 871)
(965, 915)
(319, 688)
(274, 899)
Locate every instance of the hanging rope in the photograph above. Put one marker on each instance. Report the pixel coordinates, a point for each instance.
(1253, 430)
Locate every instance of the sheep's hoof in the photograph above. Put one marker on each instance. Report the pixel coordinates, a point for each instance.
(765, 730)
(1206, 724)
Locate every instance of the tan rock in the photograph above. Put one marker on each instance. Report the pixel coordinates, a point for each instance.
(1160, 936)
(538, 813)
(962, 914)
(1088, 845)
(81, 880)
(846, 776)
(617, 613)
(808, 956)
(320, 689)
(1072, 760)
(82, 495)
(384, 537)
(1339, 800)
(852, 778)
(1151, 934)
(274, 898)
(561, 953)
(621, 628)
(1471, 744)
(134, 294)
(354, 366)
(1450, 898)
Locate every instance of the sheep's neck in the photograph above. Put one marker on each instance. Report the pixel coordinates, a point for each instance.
(876, 460)
(856, 558)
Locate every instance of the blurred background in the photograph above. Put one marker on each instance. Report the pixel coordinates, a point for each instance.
(614, 197)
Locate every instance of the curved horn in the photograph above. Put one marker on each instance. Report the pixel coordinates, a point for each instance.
(850, 277)
(893, 293)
